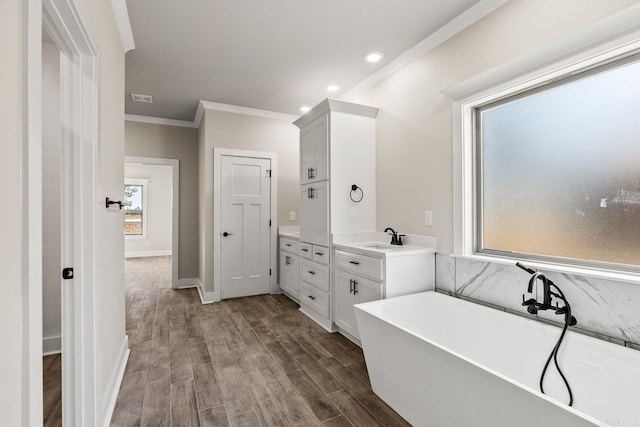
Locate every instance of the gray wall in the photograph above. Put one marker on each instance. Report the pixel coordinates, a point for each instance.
(239, 131)
(173, 142)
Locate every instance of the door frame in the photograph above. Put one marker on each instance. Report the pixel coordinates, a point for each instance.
(217, 214)
(175, 207)
(66, 22)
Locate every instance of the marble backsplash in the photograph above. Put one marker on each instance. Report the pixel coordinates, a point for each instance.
(605, 309)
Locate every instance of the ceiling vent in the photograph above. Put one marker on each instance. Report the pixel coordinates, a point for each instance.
(142, 98)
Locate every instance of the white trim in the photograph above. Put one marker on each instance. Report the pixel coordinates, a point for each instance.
(115, 381)
(51, 345)
(142, 254)
(159, 121)
(605, 40)
(121, 15)
(175, 208)
(188, 283)
(66, 22)
(208, 105)
(206, 297)
(217, 215)
(453, 27)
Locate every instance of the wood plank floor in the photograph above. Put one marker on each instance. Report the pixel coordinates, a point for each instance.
(52, 390)
(254, 361)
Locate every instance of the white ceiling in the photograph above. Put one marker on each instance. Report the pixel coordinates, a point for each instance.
(274, 55)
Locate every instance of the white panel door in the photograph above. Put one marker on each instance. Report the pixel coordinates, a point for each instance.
(245, 240)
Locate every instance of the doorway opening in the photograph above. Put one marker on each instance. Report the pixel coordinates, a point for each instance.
(152, 200)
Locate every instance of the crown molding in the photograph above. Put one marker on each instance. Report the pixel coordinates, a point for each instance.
(208, 105)
(453, 27)
(121, 15)
(159, 121)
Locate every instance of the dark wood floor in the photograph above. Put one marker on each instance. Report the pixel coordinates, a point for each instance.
(52, 390)
(254, 361)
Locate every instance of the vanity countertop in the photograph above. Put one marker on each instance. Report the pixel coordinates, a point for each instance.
(381, 249)
(292, 232)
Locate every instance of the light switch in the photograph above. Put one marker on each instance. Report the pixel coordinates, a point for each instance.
(428, 218)
(292, 216)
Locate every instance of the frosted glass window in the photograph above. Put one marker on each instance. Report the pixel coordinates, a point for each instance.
(559, 169)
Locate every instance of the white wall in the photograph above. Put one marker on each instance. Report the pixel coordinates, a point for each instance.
(158, 213)
(12, 103)
(51, 179)
(413, 128)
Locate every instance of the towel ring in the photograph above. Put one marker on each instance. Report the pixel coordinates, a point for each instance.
(354, 189)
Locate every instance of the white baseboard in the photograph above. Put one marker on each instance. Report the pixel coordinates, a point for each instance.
(115, 381)
(141, 254)
(188, 283)
(206, 297)
(51, 345)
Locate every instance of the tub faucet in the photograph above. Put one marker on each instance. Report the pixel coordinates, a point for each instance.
(396, 239)
(533, 305)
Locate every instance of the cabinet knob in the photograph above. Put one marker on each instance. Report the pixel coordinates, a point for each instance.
(354, 262)
(312, 297)
(320, 253)
(313, 273)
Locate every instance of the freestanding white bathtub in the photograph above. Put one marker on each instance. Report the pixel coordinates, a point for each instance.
(441, 361)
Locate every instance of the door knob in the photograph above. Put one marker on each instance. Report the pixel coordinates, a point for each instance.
(225, 234)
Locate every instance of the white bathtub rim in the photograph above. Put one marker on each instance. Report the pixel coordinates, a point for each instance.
(364, 307)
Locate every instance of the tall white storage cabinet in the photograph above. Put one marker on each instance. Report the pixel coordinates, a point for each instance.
(337, 150)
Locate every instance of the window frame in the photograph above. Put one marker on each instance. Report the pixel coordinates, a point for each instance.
(144, 184)
(467, 178)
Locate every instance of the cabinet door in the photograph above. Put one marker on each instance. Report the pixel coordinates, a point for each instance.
(345, 316)
(293, 272)
(289, 273)
(320, 202)
(314, 149)
(306, 214)
(314, 214)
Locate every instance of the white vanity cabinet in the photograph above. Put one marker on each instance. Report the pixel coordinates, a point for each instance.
(366, 275)
(350, 289)
(290, 267)
(337, 150)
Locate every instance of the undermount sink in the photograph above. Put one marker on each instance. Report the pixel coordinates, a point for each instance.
(379, 246)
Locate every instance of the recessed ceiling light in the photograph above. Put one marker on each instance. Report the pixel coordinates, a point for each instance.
(305, 109)
(373, 56)
(142, 98)
(333, 88)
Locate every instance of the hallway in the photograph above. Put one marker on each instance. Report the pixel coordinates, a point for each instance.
(254, 361)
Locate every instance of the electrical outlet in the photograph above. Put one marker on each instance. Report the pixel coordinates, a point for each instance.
(292, 216)
(428, 218)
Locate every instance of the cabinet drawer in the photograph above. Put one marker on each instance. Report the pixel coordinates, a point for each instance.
(315, 274)
(361, 264)
(314, 298)
(289, 245)
(321, 254)
(306, 250)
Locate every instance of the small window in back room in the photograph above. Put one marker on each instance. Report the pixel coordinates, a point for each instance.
(134, 208)
(558, 169)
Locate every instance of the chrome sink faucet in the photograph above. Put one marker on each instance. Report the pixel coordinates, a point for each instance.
(396, 239)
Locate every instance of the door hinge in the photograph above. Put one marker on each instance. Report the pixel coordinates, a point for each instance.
(67, 273)
(269, 272)
(268, 173)
(269, 223)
